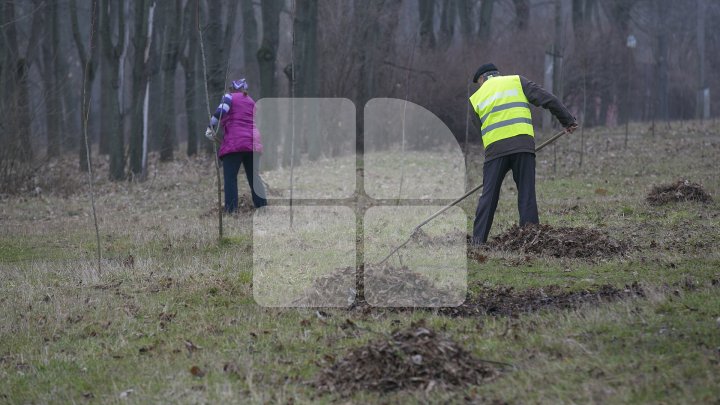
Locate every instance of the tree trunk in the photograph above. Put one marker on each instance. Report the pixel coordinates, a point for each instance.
(267, 54)
(190, 106)
(169, 66)
(700, 42)
(306, 19)
(18, 68)
(250, 40)
(486, 11)
(107, 122)
(156, 76)
(88, 59)
(661, 62)
(426, 9)
(465, 13)
(54, 65)
(142, 40)
(558, 48)
(190, 67)
(219, 44)
(522, 14)
(447, 22)
(113, 54)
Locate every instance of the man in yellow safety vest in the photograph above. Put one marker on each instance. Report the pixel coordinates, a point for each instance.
(502, 103)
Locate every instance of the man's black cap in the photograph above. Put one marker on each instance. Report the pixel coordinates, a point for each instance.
(488, 67)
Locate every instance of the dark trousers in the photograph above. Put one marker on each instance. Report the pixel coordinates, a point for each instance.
(231, 166)
(494, 171)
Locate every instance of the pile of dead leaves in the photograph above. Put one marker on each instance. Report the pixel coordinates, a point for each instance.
(681, 190)
(546, 240)
(417, 358)
(389, 286)
(384, 286)
(330, 290)
(508, 301)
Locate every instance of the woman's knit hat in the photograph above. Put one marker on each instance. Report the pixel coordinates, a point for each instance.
(239, 84)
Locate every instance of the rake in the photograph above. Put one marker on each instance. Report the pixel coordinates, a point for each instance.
(457, 201)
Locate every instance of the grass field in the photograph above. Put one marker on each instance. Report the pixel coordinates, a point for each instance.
(173, 319)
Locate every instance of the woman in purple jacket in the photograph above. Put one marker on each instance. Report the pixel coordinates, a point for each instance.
(240, 145)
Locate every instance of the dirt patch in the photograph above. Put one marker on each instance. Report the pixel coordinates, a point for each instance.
(417, 358)
(680, 191)
(545, 240)
(507, 301)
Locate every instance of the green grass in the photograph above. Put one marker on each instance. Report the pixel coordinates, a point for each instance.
(68, 334)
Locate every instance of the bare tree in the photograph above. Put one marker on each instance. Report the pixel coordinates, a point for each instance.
(219, 43)
(486, 13)
(426, 9)
(304, 67)
(143, 15)
(190, 61)
(267, 54)
(447, 22)
(522, 14)
(267, 63)
(170, 58)
(53, 68)
(113, 81)
(250, 40)
(465, 9)
(88, 59)
(15, 78)
(700, 41)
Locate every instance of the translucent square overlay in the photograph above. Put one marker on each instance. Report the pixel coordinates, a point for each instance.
(430, 271)
(324, 146)
(311, 264)
(410, 153)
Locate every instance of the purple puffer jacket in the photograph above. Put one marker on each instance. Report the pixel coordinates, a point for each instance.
(241, 134)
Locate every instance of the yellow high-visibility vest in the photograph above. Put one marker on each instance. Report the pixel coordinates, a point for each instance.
(503, 109)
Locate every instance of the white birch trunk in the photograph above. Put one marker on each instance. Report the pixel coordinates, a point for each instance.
(123, 56)
(146, 100)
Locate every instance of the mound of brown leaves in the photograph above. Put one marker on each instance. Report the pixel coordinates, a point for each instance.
(401, 287)
(417, 358)
(682, 190)
(330, 290)
(558, 242)
(507, 301)
(385, 286)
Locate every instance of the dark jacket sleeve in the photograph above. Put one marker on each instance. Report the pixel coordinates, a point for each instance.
(540, 97)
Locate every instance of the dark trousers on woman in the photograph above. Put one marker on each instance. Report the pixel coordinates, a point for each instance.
(231, 166)
(494, 171)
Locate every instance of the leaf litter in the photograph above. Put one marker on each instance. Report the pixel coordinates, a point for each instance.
(389, 285)
(508, 301)
(415, 358)
(565, 242)
(680, 191)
